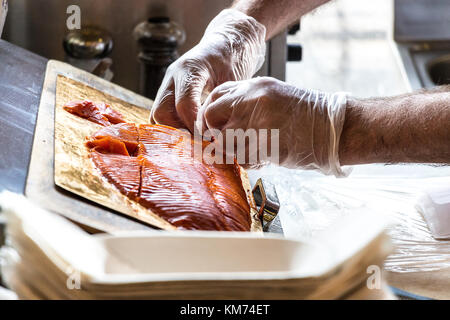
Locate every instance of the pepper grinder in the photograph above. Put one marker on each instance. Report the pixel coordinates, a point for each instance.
(158, 39)
(88, 49)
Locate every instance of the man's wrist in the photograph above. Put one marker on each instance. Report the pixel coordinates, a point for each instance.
(410, 128)
(357, 143)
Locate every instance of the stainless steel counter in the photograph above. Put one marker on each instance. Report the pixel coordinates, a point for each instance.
(21, 78)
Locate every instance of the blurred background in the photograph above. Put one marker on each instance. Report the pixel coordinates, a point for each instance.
(348, 46)
(345, 45)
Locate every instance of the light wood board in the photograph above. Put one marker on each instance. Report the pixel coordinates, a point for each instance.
(40, 185)
(74, 170)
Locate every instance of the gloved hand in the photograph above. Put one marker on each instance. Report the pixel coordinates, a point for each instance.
(309, 123)
(232, 48)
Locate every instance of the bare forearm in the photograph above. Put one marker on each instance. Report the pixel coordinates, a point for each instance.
(276, 15)
(404, 129)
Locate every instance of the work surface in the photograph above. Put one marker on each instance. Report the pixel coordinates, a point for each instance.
(21, 78)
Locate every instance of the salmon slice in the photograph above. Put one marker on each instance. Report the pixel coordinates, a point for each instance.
(99, 113)
(112, 115)
(154, 139)
(122, 171)
(179, 190)
(226, 185)
(87, 110)
(108, 145)
(125, 132)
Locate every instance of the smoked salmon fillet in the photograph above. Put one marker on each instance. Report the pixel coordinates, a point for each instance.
(100, 113)
(154, 165)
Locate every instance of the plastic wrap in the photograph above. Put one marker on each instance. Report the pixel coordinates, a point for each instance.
(310, 202)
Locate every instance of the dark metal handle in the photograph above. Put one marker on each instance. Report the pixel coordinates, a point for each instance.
(266, 199)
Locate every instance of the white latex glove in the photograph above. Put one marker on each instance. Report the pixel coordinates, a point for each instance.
(232, 48)
(309, 122)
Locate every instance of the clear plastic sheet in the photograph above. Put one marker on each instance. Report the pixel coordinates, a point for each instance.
(310, 202)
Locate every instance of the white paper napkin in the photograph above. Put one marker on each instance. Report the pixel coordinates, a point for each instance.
(434, 205)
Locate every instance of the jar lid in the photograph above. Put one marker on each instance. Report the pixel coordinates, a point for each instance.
(88, 43)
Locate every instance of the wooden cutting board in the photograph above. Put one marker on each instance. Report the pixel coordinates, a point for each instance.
(74, 170)
(71, 167)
